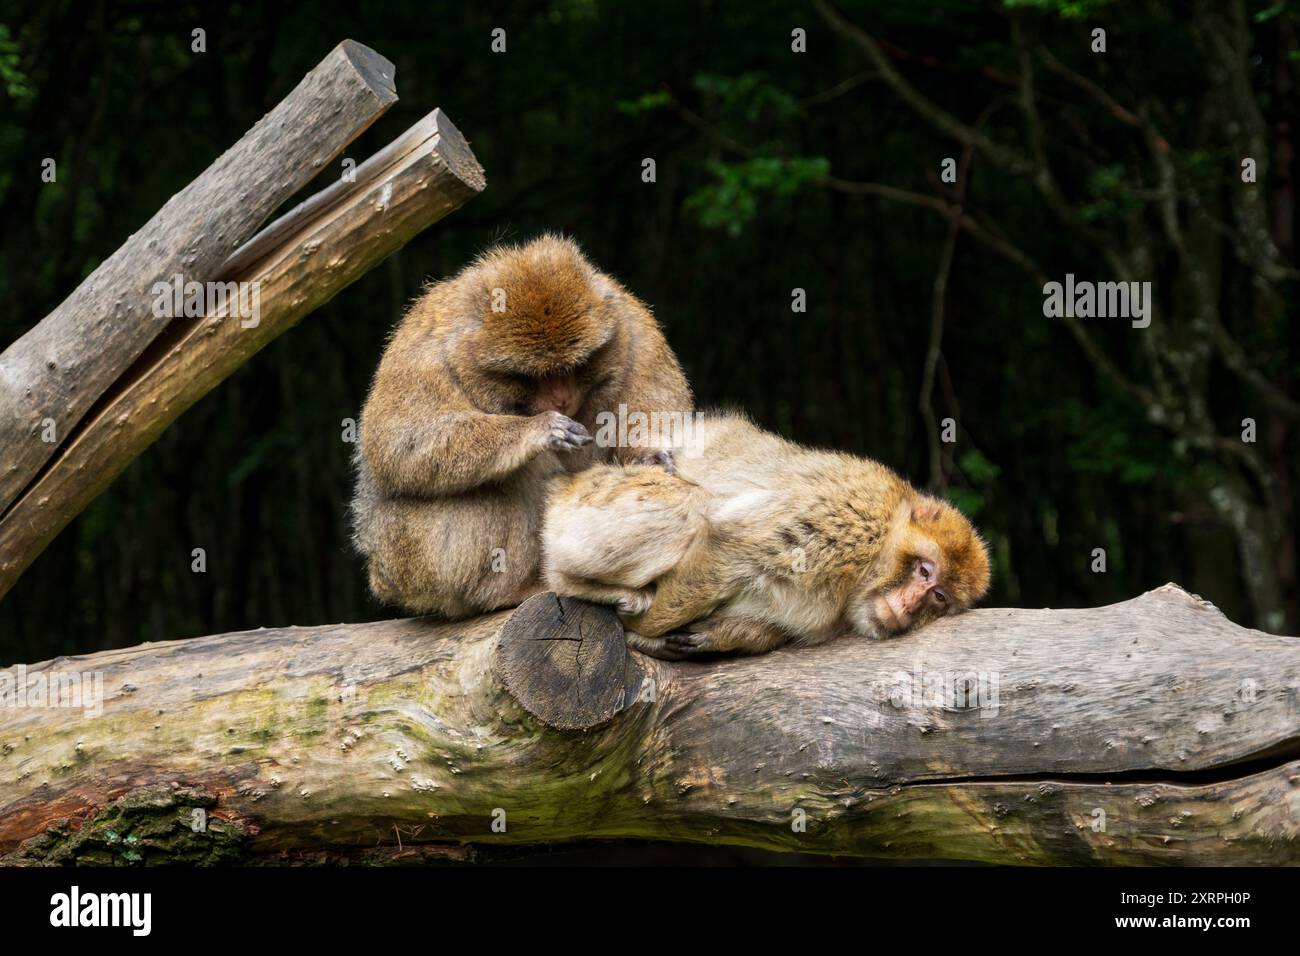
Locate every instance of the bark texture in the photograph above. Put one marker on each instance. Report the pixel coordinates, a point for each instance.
(57, 370)
(1148, 732)
(299, 262)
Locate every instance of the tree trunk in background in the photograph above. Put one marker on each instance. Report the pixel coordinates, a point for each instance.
(1196, 238)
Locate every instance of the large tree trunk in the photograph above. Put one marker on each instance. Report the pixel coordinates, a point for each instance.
(1152, 731)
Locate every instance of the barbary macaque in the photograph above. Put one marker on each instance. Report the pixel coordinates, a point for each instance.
(492, 384)
(756, 542)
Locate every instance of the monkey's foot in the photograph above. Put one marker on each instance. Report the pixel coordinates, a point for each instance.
(654, 646)
(687, 643)
(660, 458)
(677, 646)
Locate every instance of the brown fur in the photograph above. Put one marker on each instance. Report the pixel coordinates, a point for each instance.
(472, 411)
(757, 541)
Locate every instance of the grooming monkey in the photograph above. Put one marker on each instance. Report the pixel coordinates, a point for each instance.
(490, 386)
(756, 542)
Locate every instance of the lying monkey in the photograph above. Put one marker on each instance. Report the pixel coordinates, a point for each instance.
(756, 542)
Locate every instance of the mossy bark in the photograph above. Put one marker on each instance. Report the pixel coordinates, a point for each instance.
(150, 826)
(1153, 731)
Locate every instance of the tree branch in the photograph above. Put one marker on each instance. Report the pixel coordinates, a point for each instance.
(57, 370)
(927, 108)
(298, 263)
(985, 235)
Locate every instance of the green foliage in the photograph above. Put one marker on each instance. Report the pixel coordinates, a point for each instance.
(733, 199)
(977, 468)
(645, 103)
(1110, 195)
(1203, 165)
(733, 106)
(1068, 9)
(749, 96)
(1110, 441)
(16, 84)
(982, 475)
(1277, 9)
(968, 501)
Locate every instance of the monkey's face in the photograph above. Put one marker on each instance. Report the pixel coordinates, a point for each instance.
(940, 566)
(916, 599)
(558, 392)
(562, 390)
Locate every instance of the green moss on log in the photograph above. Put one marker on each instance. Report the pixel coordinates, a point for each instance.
(146, 827)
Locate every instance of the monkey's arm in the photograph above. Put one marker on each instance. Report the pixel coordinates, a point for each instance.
(446, 452)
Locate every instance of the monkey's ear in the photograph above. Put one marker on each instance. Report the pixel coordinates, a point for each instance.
(926, 511)
(603, 286)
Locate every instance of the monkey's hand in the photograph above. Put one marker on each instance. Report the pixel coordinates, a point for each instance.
(659, 458)
(562, 433)
(635, 603)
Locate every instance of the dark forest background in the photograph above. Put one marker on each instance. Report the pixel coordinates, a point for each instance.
(775, 170)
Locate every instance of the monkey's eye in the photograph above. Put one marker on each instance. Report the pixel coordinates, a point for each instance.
(925, 569)
(940, 598)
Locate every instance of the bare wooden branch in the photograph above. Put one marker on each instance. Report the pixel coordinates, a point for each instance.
(1152, 731)
(299, 262)
(55, 372)
(991, 239)
(1002, 156)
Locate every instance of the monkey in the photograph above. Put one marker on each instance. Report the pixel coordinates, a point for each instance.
(492, 383)
(756, 542)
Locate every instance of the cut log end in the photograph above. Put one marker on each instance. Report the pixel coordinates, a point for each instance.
(376, 71)
(564, 661)
(455, 152)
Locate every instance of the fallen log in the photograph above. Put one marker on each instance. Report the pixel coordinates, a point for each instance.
(299, 262)
(1153, 731)
(52, 375)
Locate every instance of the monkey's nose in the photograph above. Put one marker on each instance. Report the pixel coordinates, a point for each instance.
(553, 400)
(556, 405)
(558, 394)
